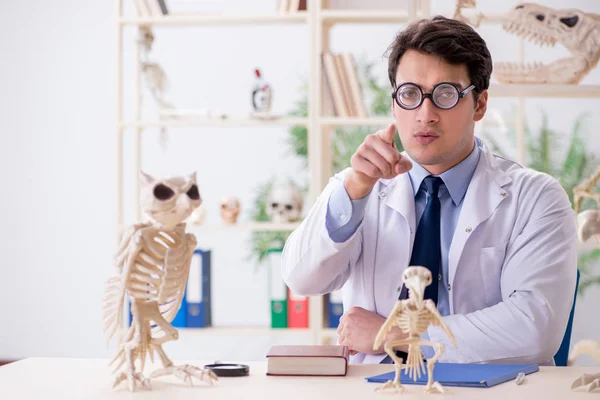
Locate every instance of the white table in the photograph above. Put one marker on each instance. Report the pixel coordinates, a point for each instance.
(66, 378)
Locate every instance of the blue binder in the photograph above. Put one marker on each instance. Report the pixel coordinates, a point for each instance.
(198, 294)
(467, 375)
(180, 320)
(335, 308)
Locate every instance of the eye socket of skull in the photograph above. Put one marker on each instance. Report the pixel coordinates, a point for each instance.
(570, 21)
(162, 192)
(274, 205)
(288, 207)
(540, 17)
(193, 193)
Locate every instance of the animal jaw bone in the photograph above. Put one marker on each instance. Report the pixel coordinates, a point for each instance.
(413, 316)
(153, 264)
(579, 32)
(591, 348)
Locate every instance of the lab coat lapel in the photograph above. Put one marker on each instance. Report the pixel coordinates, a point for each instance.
(483, 196)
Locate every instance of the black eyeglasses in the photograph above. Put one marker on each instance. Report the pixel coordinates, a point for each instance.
(444, 95)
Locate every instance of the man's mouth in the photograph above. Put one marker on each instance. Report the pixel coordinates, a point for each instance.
(426, 137)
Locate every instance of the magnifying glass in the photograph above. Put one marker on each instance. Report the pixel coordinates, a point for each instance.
(222, 369)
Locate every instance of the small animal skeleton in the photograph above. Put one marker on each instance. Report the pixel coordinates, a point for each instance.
(591, 348)
(588, 221)
(154, 74)
(576, 30)
(458, 15)
(413, 316)
(153, 264)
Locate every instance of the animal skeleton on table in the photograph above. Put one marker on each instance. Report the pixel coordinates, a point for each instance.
(592, 348)
(153, 264)
(413, 316)
(588, 221)
(588, 225)
(576, 30)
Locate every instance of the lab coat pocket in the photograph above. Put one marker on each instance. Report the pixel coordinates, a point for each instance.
(491, 260)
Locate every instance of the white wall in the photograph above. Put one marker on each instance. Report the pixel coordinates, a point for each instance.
(58, 161)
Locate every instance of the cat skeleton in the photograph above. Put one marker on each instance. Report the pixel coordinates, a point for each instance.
(413, 316)
(153, 263)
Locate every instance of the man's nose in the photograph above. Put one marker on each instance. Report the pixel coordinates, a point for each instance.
(428, 113)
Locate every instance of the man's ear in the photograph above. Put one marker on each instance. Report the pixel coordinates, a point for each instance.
(481, 106)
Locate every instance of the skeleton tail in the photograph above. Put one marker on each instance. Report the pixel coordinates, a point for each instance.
(414, 362)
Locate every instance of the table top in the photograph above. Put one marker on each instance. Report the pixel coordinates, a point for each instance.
(71, 378)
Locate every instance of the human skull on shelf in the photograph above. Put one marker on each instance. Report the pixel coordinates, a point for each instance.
(230, 209)
(284, 204)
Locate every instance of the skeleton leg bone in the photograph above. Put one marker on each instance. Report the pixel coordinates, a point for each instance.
(184, 372)
(131, 348)
(439, 350)
(398, 361)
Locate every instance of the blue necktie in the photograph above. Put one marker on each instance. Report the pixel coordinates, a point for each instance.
(427, 248)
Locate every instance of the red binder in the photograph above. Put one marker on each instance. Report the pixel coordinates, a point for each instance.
(297, 311)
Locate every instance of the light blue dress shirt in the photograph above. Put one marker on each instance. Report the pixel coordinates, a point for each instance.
(345, 215)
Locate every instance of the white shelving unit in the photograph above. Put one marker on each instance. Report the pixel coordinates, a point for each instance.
(319, 21)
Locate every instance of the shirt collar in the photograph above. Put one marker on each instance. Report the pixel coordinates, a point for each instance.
(456, 179)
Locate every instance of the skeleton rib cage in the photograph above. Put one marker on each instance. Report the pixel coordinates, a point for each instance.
(155, 266)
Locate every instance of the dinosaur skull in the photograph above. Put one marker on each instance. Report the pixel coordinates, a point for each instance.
(230, 209)
(416, 279)
(588, 224)
(168, 202)
(284, 204)
(579, 32)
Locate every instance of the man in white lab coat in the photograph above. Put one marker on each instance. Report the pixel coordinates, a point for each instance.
(503, 241)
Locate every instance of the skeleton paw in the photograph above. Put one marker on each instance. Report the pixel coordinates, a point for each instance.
(434, 387)
(593, 380)
(133, 378)
(390, 385)
(186, 373)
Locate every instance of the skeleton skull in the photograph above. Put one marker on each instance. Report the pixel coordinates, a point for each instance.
(230, 209)
(284, 204)
(168, 202)
(579, 32)
(416, 279)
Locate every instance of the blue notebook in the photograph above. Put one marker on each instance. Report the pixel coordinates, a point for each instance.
(469, 375)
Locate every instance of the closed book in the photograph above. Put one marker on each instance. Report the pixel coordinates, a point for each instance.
(308, 360)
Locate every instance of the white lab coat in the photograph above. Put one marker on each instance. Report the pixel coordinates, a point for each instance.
(511, 269)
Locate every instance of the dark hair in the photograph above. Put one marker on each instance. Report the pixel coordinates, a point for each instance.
(452, 40)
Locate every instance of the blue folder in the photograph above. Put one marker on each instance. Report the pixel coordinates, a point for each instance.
(468, 375)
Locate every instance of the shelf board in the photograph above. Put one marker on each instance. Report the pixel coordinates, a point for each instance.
(543, 90)
(389, 16)
(252, 226)
(354, 121)
(215, 19)
(329, 332)
(243, 331)
(213, 122)
(363, 16)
